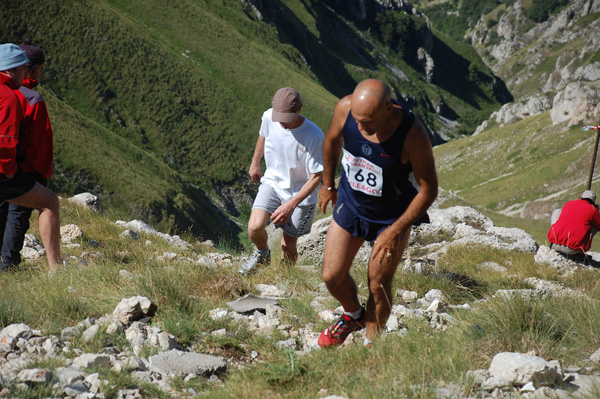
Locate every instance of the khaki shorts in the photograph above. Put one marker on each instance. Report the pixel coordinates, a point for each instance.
(298, 224)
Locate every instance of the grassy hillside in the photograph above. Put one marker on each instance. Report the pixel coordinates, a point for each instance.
(175, 95)
(419, 360)
(523, 169)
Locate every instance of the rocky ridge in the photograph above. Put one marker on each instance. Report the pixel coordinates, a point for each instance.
(570, 89)
(509, 374)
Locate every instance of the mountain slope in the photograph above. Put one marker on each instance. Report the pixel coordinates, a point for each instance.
(531, 156)
(186, 83)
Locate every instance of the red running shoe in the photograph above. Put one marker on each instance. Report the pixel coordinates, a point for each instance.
(336, 334)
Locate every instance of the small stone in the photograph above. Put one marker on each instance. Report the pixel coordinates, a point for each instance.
(328, 315)
(35, 376)
(88, 360)
(528, 387)
(289, 343)
(218, 313)
(70, 233)
(68, 333)
(434, 294)
(130, 234)
(89, 334)
(409, 296)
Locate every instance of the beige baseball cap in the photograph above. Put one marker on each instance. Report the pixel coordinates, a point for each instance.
(588, 194)
(286, 103)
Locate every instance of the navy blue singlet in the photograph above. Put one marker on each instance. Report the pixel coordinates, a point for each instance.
(375, 183)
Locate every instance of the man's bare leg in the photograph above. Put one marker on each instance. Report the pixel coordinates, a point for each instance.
(381, 276)
(340, 249)
(289, 249)
(46, 202)
(257, 231)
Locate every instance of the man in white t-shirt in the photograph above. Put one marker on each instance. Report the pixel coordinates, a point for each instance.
(293, 150)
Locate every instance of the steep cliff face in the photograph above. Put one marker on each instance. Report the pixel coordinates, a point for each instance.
(550, 66)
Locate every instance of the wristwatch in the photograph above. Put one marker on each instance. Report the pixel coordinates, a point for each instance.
(332, 188)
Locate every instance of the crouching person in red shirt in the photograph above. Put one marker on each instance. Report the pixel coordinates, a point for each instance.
(571, 234)
(17, 186)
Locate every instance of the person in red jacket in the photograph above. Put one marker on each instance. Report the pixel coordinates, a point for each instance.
(571, 235)
(35, 155)
(16, 185)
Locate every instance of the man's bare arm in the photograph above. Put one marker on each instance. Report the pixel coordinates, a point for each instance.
(259, 150)
(417, 148)
(285, 210)
(332, 149)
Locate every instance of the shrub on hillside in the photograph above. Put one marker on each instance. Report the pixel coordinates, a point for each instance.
(542, 9)
(402, 32)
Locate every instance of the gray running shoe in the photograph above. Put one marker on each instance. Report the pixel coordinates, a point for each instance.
(255, 260)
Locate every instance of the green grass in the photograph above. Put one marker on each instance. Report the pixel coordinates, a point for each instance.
(520, 162)
(412, 364)
(158, 112)
(517, 168)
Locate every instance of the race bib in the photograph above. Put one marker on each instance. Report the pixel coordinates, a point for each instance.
(363, 175)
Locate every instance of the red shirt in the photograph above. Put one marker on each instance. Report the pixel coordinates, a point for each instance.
(11, 114)
(573, 228)
(36, 152)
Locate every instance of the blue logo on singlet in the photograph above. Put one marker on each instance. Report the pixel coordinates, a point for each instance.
(366, 149)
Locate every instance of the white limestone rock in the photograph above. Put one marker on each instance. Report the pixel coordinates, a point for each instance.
(88, 201)
(519, 369)
(134, 308)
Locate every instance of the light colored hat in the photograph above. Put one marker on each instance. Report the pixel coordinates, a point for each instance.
(588, 194)
(11, 56)
(286, 102)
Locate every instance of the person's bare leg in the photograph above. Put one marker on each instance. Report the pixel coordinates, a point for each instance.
(340, 249)
(46, 202)
(257, 231)
(289, 250)
(381, 276)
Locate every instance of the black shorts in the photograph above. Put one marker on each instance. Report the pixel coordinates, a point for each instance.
(19, 185)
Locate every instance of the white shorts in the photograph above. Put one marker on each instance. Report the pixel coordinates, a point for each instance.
(298, 224)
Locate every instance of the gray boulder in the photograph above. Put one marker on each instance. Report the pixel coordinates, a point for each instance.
(35, 376)
(250, 303)
(88, 201)
(134, 308)
(519, 369)
(177, 363)
(11, 334)
(91, 360)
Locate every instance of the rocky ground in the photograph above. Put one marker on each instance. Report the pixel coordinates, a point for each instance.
(510, 375)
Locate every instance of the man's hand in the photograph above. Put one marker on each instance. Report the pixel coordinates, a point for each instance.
(326, 196)
(255, 173)
(283, 213)
(385, 248)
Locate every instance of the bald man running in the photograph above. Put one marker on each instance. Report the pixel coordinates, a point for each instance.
(387, 185)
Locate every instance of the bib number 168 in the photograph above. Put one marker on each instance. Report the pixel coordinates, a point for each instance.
(362, 174)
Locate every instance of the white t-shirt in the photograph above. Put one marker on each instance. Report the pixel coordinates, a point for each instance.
(291, 156)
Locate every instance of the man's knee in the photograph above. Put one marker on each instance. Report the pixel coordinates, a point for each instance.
(48, 200)
(255, 227)
(40, 198)
(332, 275)
(379, 284)
(258, 221)
(53, 202)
